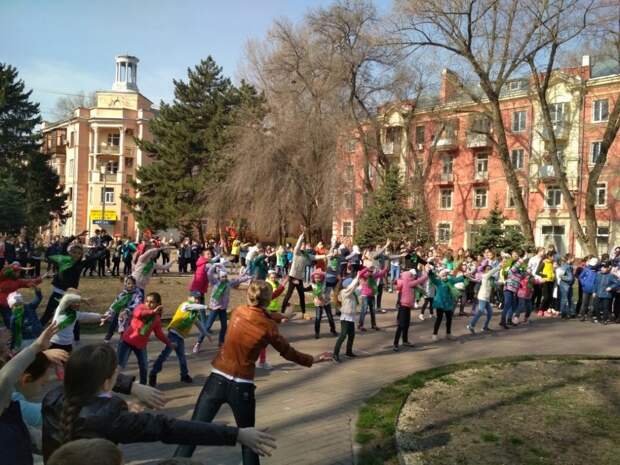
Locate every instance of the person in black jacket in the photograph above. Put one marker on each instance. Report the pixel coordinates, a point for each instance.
(70, 265)
(85, 408)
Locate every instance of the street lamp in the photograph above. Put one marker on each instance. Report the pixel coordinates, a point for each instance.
(103, 169)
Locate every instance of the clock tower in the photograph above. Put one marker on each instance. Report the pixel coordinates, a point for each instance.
(126, 73)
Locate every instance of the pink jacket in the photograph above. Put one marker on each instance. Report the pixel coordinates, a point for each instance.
(364, 274)
(405, 287)
(200, 281)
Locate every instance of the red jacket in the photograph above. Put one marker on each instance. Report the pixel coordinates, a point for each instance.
(140, 317)
(11, 285)
(200, 280)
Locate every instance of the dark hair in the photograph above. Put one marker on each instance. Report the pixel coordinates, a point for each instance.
(155, 296)
(86, 371)
(90, 451)
(38, 367)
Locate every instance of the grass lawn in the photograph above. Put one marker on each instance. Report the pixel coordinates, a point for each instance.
(524, 410)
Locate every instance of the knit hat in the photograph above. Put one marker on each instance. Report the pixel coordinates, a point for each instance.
(15, 298)
(593, 262)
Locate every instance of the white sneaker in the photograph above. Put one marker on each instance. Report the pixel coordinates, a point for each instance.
(515, 320)
(196, 348)
(264, 366)
(421, 317)
(435, 338)
(471, 329)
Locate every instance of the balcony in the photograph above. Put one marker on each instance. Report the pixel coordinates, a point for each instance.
(546, 173)
(561, 129)
(446, 142)
(476, 140)
(108, 178)
(446, 178)
(114, 150)
(391, 148)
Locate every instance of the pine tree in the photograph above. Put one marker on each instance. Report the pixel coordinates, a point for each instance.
(386, 216)
(24, 169)
(494, 235)
(189, 137)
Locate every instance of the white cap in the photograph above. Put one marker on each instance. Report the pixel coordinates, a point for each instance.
(15, 298)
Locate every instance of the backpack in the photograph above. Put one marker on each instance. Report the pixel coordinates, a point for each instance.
(586, 279)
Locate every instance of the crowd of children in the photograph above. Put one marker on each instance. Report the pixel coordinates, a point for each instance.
(343, 282)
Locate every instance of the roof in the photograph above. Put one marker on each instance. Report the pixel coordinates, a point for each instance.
(606, 67)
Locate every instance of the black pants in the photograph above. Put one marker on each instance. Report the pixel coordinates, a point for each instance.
(404, 320)
(537, 296)
(586, 303)
(239, 396)
(347, 331)
(127, 267)
(379, 295)
(428, 302)
(602, 306)
(116, 269)
(101, 267)
(616, 306)
(294, 284)
(440, 314)
(547, 295)
(319, 316)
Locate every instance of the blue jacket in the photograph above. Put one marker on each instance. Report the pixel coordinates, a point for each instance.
(587, 278)
(444, 297)
(31, 328)
(568, 278)
(604, 281)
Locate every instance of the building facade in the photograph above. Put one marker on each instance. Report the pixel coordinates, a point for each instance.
(95, 154)
(466, 175)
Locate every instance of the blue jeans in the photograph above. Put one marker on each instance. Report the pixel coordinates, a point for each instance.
(510, 304)
(483, 306)
(180, 351)
(223, 324)
(566, 299)
(368, 303)
(394, 274)
(242, 401)
(524, 305)
(123, 355)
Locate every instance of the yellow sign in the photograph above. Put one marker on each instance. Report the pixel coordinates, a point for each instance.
(98, 215)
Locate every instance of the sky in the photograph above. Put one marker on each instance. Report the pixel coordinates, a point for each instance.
(67, 46)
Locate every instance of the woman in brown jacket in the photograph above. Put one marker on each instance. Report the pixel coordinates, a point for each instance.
(251, 328)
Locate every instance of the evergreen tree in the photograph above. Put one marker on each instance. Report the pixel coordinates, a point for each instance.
(188, 159)
(386, 216)
(494, 235)
(24, 169)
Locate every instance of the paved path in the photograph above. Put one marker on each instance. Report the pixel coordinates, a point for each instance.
(310, 410)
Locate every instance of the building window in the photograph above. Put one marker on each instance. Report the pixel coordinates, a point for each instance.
(444, 233)
(482, 165)
(600, 110)
(128, 162)
(352, 145)
(419, 134)
(480, 197)
(349, 173)
(595, 152)
(511, 203)
(71, 139)
(348, 200)
(365, 199)
(347, 228)
(518, 121)
(602, 239)
(114, 139)
(554, 234)
(558, 112)
(601, 195)
(107, 195)
(516, 85)
(517, 157)
(553, 198)
(560, 155)
(446, 167)
(445, 199)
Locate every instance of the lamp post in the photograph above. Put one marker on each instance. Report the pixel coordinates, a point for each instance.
(103, 169)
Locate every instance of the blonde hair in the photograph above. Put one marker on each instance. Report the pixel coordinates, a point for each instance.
(259, 294)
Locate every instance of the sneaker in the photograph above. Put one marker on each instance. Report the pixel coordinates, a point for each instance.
(336, 358)
(362, 329)
(107, 340)
(450, 337)
(503, 325)
(605, 322)
(487, 330)
(408, 344)
(187, 379)
(515, 320)
(540, 313)
(471, 329)
(583, 318)
(435, 338)
(421, 317)
(351, 355)
(153, 380)
(264, 366)
(376, 328)
(382, 310)
(395, 349)
(316, 336)
(196, 348)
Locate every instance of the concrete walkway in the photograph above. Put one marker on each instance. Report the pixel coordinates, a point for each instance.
(310, 410)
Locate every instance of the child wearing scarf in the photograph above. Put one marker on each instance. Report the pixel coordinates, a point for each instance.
(321, 297)
(369, 282)
(67, 314)
(146, 319)
(218, 303)
(10, 281)
(145, 266)
(349, 300)
(274, 310)
(25, 325)
(185, 317)
(119, 313)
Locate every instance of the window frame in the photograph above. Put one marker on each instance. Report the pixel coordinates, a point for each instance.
(601, 186)
(441, 198)
(447, 160)
(522, 158)
(510, 203)
(112, 136)
(348, 224)
(553, 113)
(480, 158)
(517, 127)
(417, 134)
(440, 227)
(348, 200)
(477, 195)
(598, 143)
(561, 198)
(596, 118)
(105, 192)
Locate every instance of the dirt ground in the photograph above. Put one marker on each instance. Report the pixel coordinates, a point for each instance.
(527, 413)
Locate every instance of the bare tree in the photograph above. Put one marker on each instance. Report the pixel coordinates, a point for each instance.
(491, 41)
(65, 105)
